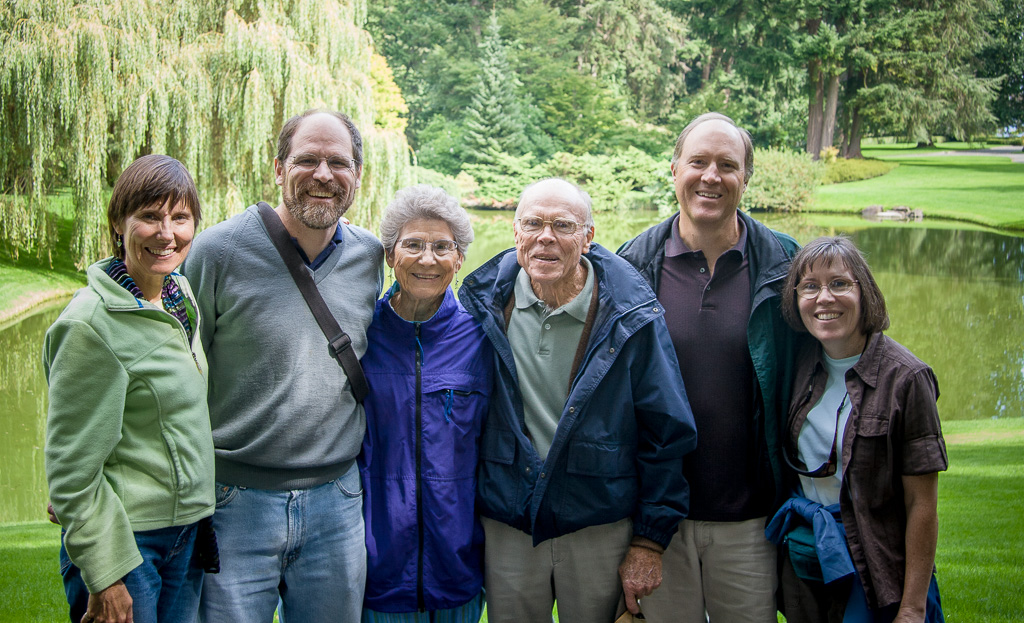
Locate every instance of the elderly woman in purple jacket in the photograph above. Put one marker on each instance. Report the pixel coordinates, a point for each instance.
(429, 371)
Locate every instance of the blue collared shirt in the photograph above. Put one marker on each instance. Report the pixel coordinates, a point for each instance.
(326, 253)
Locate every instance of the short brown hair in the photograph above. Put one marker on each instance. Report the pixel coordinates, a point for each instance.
(833, 250)
(290, 127)
(748, 143)
(150, 179)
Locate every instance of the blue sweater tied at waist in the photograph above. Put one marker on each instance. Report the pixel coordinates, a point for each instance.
(829, 536)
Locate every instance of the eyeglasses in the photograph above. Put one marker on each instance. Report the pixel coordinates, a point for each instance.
(838, 287)
(831, 464)
(309, 162)
(560, 226)
(416, 246)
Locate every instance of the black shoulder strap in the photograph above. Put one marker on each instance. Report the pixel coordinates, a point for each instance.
(338, 342)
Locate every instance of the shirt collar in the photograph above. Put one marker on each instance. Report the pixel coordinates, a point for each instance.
(578, 307)
(333, 244)
(675, 246)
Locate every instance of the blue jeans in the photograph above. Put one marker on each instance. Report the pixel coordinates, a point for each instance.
(302, 548)
(164, 588)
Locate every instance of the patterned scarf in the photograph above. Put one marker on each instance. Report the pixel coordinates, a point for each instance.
(170, 295)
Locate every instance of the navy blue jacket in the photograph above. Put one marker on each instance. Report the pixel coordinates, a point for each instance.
(429, 383)
(773, 344)
(618, 449)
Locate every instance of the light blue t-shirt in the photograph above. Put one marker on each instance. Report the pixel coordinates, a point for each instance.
(815, 441)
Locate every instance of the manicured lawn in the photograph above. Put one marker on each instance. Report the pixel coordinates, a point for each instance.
(987, 190)
(24, 286)
(980, 559)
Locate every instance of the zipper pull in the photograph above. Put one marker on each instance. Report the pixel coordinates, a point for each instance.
(196, 359)
(448, 406)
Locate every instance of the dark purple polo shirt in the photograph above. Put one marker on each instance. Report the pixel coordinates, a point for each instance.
(707, 320)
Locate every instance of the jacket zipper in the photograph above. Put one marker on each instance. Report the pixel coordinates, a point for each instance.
(420, 600)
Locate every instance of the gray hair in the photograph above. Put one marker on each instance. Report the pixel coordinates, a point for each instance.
(748, 143)
(585, 202)
(426, 202)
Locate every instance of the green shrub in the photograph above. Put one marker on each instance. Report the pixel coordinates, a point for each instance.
(625, 180)
(783, 180)
(842, 170)
(423, 175)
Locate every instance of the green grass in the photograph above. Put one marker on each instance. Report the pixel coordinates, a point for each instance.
(980, 558)
(29, 281)
(986, 190)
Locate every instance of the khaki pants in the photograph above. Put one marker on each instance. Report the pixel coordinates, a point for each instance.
(724, 569)
(580, 570)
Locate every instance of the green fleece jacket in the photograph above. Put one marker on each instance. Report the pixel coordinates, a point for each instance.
(128, 443)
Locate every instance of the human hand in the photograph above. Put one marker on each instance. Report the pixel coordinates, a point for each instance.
(53, 515)
(111, 605)
(907, 614)
(641, 574)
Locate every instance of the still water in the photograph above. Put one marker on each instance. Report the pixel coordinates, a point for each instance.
(955, 298)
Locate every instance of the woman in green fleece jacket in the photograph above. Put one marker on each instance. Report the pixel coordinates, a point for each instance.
(129, 454)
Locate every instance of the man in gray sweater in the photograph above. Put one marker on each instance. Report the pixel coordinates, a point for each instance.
(286, 426)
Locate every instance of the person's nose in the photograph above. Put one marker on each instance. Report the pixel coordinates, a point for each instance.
(824, 293)
(427, 257)
(711, 174)
(322, 172)
(166, 229)
(547, 233)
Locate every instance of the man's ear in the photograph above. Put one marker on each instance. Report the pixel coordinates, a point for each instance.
(278, 172)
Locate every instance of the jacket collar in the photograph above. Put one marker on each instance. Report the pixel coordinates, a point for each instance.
(488, 287)
(871, 360)
(394, 322)
(114, 297)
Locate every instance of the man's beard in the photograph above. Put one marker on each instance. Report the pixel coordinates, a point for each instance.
(318, 216)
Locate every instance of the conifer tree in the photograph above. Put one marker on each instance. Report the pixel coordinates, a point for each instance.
(494, 122)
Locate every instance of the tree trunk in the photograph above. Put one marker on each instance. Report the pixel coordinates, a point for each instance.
(853, 150)
(828, 124)
(815, 105)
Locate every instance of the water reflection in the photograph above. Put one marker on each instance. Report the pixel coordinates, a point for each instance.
(956, 299)
(23, 419)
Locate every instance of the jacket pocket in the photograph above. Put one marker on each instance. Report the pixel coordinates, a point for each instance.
(498, 447)
(608, 460)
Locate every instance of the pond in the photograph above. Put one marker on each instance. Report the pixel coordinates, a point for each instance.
(955, 297)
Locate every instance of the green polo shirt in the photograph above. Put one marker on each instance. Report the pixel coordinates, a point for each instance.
(544, 344)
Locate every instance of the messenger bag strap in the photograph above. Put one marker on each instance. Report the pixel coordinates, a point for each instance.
(339, 344)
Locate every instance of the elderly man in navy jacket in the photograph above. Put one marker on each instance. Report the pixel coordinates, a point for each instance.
(580, 483)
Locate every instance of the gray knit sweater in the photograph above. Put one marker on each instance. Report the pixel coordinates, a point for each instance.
(282, 412)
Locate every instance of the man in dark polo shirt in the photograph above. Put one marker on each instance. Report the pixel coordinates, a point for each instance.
(719, 273)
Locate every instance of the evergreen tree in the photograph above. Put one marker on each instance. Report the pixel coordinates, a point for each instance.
(494, 120)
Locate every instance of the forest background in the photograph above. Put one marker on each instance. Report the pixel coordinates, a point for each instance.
(478, 97)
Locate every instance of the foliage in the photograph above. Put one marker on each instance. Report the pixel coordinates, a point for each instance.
(435, 178)
(627, 179)
(499, 183)
(1004, 57)
(493, 120)
(842, 170)
(783, 180)
(86, 87)
(442, 145)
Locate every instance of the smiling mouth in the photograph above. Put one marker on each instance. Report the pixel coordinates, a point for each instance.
(708, 195)
(320, 194)
(161, 252)
(419, 276)
(827, 315)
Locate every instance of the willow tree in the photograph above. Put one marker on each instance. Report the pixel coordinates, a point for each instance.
(88, 86)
